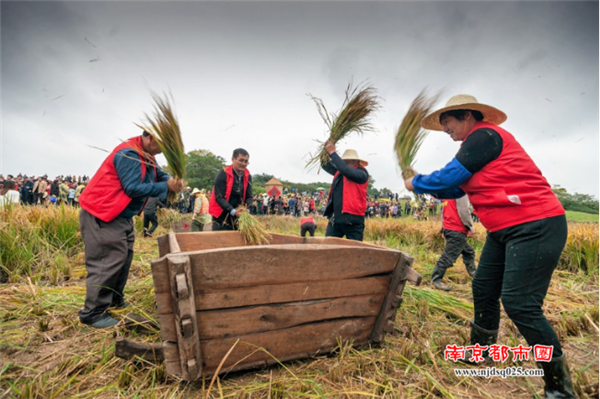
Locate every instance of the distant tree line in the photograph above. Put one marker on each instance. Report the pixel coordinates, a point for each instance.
(576, 202)
(202, 167)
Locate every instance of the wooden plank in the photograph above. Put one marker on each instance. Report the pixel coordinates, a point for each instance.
(187, 337)
(189, 242)
(257, 319)
(382, 325)
(127, 349)
(173, 244)
(279, 264)
(207, 299)
(163, 245)
(293, 343)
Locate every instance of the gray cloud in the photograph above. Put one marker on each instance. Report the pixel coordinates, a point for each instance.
(240, 71)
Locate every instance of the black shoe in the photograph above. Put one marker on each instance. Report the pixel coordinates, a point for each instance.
(438, 284)
(471, 269)
(482, 337)
(436, 278)
(557, 378)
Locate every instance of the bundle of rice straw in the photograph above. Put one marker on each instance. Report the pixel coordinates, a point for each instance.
(358, 105)
(253, 231)
(410, 135)
(164, 125)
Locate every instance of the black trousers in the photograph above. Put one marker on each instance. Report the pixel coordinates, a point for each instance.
(150, 219)
(307, 228)
(108, 256)
(516, 266)
(456, 245)
(352, 231)
(218, 226)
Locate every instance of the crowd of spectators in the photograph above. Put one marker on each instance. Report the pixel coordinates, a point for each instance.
(40, 190)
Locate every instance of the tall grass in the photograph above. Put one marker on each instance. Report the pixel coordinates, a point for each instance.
(34, 239)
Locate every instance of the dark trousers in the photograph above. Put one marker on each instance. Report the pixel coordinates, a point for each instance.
(221, 226)
(108, 256)
(307, 228)
(516, 266)
(352, 231)
(150, 219)
(197, 225)
(456, 245)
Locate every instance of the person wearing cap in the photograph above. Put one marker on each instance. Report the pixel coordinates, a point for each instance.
(200, 212)
(347, 202)
(114, 195)
(456, 225)
(526, 224)
(232, 188)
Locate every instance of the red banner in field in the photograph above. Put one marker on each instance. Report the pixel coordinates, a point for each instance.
(274, 192)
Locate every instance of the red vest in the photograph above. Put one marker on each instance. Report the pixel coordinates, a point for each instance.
(354, 196)
(510, 190)
(104, 196)
(307, 220)
(451, 219)
(214, 208)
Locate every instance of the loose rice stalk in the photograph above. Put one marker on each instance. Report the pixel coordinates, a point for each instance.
(253, 231)
(410, 135)
(164, 125)
(358, 105)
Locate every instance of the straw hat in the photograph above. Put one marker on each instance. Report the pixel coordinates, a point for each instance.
(468, 102)
(353, 155)
(195, 191)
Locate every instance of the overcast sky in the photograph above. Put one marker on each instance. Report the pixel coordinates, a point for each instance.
(78, 74)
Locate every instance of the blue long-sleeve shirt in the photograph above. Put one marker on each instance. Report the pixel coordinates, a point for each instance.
(479, 148)
(127, 164)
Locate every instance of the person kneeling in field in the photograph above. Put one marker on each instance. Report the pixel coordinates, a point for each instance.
(308, 225)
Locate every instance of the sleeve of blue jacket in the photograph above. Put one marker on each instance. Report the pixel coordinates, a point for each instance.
(130, 173)
(443, 183)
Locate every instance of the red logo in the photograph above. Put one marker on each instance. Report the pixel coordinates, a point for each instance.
(520, 352)
(542, 353)
(454, 352)
(477, 352)
(499, 353)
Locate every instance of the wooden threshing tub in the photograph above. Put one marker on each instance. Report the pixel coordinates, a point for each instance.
(291, 299)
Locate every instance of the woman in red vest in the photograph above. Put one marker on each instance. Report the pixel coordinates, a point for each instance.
(526, 224)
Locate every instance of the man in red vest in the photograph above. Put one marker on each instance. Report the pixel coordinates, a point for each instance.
(233, 187)
(456, 225)
(116, 193)
(347, 202)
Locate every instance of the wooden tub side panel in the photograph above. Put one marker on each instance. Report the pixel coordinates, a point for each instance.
(256, 319)
(208, 299)
(266, 348)
(278, 264)
(190, 242)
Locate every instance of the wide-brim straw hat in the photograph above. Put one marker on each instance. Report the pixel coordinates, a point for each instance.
(467, 102)
(195, 191)
(353, 155)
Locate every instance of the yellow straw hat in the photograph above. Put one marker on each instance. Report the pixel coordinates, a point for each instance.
(466, 102)
(353, 155)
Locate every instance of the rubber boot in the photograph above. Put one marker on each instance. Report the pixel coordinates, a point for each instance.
(482, 337)
(471, 268)
(557, 378)
(436, 278)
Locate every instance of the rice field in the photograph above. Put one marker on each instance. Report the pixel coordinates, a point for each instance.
(47, 353)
